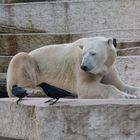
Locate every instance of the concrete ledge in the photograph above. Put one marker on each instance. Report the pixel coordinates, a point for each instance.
(70, 119)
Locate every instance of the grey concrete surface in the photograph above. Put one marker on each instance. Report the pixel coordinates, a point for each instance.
(70, 119)
(95, 17)
(128, 67)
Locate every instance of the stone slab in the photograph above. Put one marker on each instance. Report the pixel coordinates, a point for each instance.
(69, 119)
(85, 17)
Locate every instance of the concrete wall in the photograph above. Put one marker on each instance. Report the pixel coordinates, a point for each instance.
(114, 18)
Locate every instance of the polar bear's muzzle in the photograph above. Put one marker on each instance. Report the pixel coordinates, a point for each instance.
(84, 68)
(88, 62)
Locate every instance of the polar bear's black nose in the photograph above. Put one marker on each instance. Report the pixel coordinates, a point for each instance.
(84, 68)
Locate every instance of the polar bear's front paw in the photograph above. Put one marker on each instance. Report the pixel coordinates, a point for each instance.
(127, 96)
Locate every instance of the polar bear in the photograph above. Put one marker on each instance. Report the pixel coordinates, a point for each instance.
(84, 67)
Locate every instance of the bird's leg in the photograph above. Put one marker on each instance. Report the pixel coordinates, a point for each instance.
(19, 100)
(49, 100)
(54, 102)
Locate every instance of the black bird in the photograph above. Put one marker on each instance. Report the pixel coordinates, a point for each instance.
(19, 92)
(54, 92)
(3, 94)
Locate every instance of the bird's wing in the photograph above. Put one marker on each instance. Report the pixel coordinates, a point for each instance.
(19, 91)
(64, 93)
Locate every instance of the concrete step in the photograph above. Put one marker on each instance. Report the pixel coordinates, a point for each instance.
(130, 44)
(85, 17)
(128, 51)
(4, 62)
(13, 29)
(3, 92)
(10, 44)
(70, 119)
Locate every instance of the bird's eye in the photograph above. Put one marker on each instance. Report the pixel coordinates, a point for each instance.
(93, 53)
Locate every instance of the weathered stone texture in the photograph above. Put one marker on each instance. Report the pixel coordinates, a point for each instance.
(10, 44)
(4, 62)
(92, 17)
(13, 29)
(14, 43)
(125, 45)
(128, 68)
(70, 119)
(129, 51)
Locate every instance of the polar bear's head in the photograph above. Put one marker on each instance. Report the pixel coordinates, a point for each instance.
(98, 54)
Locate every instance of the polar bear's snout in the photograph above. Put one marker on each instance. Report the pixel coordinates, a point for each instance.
(88, 61)
(84, 68)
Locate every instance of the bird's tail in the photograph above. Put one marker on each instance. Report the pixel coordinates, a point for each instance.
(72, 96)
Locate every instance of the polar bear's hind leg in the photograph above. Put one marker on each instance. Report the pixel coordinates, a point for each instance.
(22, 71)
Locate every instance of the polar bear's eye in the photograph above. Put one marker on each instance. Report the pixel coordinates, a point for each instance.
(93, 53)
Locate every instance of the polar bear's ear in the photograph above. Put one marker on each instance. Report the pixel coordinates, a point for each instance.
(115, 42)
(110, 41)
(81, 46)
